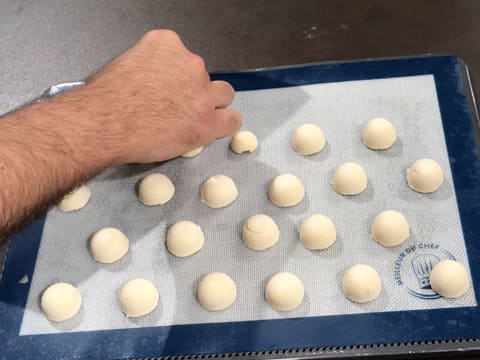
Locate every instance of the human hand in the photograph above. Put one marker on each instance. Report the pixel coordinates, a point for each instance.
(156, 101)
(152, 103)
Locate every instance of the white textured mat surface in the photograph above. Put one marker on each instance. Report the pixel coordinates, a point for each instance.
(339, 109)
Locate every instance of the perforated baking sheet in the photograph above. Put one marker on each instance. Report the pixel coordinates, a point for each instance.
(428, 101)
(339, 109)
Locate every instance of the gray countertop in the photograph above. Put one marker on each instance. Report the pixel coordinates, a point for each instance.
(52, 41)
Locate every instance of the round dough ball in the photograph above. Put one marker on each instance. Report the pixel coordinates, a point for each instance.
(308, 139)
(138, 297)
(155, 189)
(390, 228)
(361, 283)
(184, 238)
(108, 245)
(284, 291)
(286, 190)
(244, 141)
(260, 232)
(349, 179)
(216, 291)
(425, 176)
(193, 152)
(317, 232)
(219, 191)
(60, 301)
(75, 200)
(379, 134)
(449, 278)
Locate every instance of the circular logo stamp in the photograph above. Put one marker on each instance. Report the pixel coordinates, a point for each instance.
(413, 265)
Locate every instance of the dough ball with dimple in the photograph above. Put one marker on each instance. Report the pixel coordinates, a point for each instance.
(425, 176)
(216, 291)
(138, 297)
(260, 232)
(449, 279)
(193, 152)
(244, 141)
(349, 179)
(286, 190)
(219, 191)
(361, 283)
(379, 134)
(155, 189)
(75, 200)
(184, 238)
(108, 245)
(390, 228)
(284, 291)
(317, 232)
(60, 301)
(308, 139)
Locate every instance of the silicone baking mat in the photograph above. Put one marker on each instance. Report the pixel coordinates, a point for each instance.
(423, 98)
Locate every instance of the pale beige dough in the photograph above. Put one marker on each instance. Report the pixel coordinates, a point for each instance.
(138, 297)
(260, 232)
(286, 190)
(379, 134)
(219, 191)
(184, 238)
(193, 152)
(155, 189)
(449, 279)
(60, 301)
(361, 283)
(425, 176)
(108, 245)
(216, 291)
(349, 179)
(390, 228)
(284, 291)
(75, 200)
(308, 139)
(317, 232)
(244, 141)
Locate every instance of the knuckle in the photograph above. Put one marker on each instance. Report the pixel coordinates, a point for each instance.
(151, 35)
(197, 61)
(161, 34)
(170, 35)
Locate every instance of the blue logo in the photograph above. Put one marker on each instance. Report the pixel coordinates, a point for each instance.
(413, 265)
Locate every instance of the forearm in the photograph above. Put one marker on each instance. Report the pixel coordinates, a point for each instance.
(46, 149)
(152, 103)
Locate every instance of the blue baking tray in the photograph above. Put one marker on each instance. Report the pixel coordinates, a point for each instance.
(461, 133)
